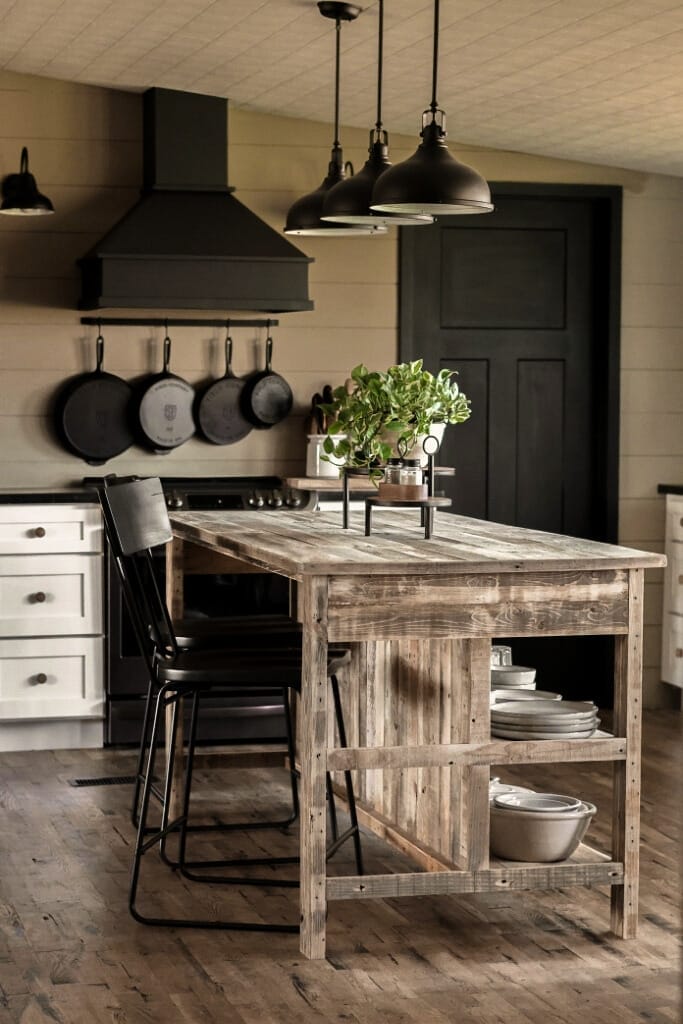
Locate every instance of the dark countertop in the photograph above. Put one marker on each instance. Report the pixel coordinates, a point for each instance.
(65, 496)
(670, 488)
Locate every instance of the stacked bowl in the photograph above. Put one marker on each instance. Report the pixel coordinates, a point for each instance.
(511, 677)
(539, 827)
(544, 720)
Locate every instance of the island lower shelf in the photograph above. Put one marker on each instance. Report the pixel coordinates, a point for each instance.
(586, 866)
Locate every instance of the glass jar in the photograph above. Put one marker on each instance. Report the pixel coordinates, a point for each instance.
(411, 472)
(392, 471)
(501, 654)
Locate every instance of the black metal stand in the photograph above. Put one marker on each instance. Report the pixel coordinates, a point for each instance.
(427, 505)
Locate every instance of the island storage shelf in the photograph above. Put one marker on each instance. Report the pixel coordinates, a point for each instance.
(420, 617)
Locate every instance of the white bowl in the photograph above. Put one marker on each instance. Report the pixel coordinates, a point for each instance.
(512, 675)
(538, 837)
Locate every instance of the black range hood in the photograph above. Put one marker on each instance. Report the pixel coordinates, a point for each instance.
(188, 243)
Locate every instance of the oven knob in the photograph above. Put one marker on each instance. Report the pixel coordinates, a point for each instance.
(255, 500)
(174, 502)
(275, 500)
(293, 501)
(259, 501)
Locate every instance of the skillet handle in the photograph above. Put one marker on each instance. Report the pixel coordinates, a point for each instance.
(269, 354)
(228, 352)
(167, 353)
(100, 351)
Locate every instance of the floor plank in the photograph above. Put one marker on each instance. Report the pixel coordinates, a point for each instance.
(71, 954)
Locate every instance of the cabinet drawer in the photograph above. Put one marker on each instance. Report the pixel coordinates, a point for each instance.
(673, 597)
(672, 649)
(674, 517)
(51, 678)
(40, 529)
(51, 595)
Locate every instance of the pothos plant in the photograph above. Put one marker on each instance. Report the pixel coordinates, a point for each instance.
(377, 413)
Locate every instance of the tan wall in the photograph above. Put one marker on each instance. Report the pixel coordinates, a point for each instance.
(85, 150)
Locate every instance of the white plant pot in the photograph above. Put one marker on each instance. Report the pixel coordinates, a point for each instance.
(417, 451)
(316, 466)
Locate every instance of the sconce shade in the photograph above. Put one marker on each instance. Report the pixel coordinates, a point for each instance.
(20, 195)
(431, 181)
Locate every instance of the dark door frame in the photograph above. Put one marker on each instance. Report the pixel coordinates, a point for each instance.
(608, 221)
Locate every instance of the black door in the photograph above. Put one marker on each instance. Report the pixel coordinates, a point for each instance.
(523, 303)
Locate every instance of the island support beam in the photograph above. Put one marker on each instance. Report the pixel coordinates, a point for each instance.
(313, 755)
(628, 670)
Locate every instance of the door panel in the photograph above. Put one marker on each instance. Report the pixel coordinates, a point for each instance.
(524, 306)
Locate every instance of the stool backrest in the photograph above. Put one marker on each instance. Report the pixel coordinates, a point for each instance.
(136, 521)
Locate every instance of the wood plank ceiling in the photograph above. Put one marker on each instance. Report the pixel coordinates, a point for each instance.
(593, 80)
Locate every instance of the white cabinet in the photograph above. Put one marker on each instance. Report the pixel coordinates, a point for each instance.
(672, 611)
(51, 626)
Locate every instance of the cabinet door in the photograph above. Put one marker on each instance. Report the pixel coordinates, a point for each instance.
(51, 595)
(50, 529)
(51, 678)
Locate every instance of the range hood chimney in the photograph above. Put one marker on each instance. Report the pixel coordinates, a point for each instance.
(188, 243)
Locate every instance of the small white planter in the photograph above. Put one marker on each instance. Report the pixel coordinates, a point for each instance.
(417, 451)
(316, 465)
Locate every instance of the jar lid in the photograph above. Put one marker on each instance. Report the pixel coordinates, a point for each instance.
(394, 462)
(411, 462)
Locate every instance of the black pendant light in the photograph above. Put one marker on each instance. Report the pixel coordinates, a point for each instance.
(304, 217)
(432, 181)
(348, 202)
(20, 195)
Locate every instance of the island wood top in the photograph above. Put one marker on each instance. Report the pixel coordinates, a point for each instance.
(298, 544)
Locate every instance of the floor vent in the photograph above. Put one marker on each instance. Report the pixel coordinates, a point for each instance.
(106, 780)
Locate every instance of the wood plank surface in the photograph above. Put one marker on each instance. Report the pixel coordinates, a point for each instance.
(301, 543)
(72, 954)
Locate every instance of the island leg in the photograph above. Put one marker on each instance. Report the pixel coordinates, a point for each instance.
(313, 756)
(628, 668)
(471, 718)
(175, 601)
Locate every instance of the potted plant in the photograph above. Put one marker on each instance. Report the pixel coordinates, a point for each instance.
(385, 413)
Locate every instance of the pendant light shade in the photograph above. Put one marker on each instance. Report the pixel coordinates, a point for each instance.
(348, 202)
(305, 215)
(432, 181)
(20, 195)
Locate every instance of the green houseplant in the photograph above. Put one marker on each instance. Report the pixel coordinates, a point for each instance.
(384, 413)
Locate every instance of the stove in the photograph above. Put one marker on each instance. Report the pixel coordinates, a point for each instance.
(231, 720)
(250, 493)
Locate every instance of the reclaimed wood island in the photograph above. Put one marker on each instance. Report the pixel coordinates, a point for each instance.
(420, 616)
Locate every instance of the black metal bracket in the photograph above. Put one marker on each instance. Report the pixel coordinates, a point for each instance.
(157, 321)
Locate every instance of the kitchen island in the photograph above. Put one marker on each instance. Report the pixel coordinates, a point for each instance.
(421, 616)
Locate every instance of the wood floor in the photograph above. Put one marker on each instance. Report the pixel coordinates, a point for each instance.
(70, 953)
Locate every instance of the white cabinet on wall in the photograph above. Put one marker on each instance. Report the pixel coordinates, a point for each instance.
(51, 626)
(672, 611)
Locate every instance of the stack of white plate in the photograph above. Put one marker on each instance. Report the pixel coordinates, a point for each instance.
(514, 693)
(543, 720)
(505, 677)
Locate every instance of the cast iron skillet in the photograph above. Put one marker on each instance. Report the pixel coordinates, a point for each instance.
(267, 397)
(165, 408)
(219, 413)
(93, 413)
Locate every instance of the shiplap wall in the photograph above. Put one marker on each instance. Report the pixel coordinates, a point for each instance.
(85, 151)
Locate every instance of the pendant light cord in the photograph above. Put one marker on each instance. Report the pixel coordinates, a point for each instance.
(380, 64)
(337, 26)
(433, 106)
